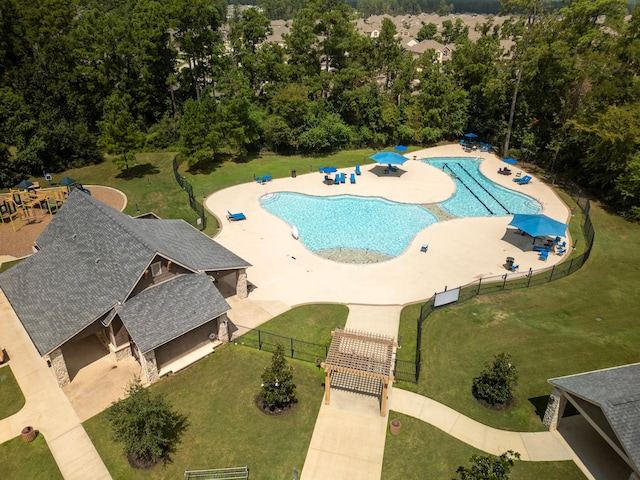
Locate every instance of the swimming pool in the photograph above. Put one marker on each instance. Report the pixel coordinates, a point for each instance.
(476, 195)
(349, 222)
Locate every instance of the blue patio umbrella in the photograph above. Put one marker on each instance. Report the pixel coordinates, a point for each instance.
(400, 148)
(539, 225)
(390, 158)
(470, 135)
(67, 181)
(510, 161)
(25, 184)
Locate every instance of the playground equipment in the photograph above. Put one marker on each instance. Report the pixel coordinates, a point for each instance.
(29, 205)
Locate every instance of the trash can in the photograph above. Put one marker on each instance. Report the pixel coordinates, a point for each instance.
(394, 427)
(293, 174)
(28, 434)
(509, 262)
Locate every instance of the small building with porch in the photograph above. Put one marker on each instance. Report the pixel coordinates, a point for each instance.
(144, 287)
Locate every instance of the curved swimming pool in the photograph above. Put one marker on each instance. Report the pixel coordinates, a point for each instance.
(349, 222)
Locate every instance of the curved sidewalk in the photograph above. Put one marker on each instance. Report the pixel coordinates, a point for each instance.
(532, 446)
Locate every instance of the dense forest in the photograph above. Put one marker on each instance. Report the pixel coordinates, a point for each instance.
(79, 78)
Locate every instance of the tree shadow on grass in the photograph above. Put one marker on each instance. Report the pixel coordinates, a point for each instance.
(138, 171)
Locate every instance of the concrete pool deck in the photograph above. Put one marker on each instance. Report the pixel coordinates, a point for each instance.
(460, 250)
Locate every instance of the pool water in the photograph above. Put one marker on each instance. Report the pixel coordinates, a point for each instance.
(476, 195)
(349, 222)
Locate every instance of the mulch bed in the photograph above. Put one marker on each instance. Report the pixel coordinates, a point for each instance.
(498, 407)
(267, 411)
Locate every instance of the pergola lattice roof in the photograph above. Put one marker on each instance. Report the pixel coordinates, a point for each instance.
(363, 354)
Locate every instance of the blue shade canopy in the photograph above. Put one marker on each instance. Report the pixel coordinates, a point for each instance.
(391, 158)
(510, 161)
(400, 148)
(25, 184)
(539, 225)
(470, 135)
(67, 181)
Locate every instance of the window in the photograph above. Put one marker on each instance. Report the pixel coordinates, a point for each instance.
(156, 269)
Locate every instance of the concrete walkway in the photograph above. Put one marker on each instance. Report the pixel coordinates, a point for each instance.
(46, 409)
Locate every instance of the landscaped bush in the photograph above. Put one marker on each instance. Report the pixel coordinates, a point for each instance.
(495, 384)
(278, 390)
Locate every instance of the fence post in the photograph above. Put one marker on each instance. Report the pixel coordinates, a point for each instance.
(259, 341)
(504, 280)
(291, 347)
(419, 347)
(553, 269)
(479, 284)
(529, 275)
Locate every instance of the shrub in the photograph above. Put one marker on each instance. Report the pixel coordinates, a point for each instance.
(148, 426)
(488, 467)
(495, 384)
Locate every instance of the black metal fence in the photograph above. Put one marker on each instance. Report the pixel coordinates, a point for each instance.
(187, 187)
(294, 348)
(510, 281)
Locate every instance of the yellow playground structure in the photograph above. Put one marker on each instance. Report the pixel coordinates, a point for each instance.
(23, 206)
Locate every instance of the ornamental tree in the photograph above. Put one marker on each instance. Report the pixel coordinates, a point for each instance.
(147, 425)
(278, 389)
(495, 383)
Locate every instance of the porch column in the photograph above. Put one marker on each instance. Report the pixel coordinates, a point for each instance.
(241, 283)
(223, 328)
(150, 366)
(59, 366)
(555, 409)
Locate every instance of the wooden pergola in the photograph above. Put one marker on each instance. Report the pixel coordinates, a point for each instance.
(363, 354)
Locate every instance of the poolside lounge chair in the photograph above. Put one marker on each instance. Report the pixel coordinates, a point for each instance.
(357, 169)
(234, 217)
(524, 180)
(513, 268)
(343, 177)
(336, 181)
(392, 168)
(352, 178)
(561, 251)
(544, 254)
(424, 248)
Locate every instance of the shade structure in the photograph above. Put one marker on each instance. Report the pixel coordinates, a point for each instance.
(539, 225)
(470, 135)
(67, 181)
(390, 158)
(25, 184)
(400, 148)
(510, 161)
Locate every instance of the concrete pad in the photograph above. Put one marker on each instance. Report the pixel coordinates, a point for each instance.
(544, 447)
(383, 320)
(76, 456)
(345, 445)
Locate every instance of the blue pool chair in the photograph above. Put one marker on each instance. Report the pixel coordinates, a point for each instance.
(392, 168)
(352, 178)
(357, 169)
(424, 248)
(234, 217)
(337, 179)
(268, 177)
(513, 268)
(524, 180)
(544, 254)
(343, 177)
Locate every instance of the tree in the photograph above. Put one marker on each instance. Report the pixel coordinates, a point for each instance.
(278, 390)
(427, 32)
(119, 132)
(488, 468)
(148, 426)
(495, 384)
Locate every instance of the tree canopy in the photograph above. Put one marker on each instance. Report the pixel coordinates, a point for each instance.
(554, 84)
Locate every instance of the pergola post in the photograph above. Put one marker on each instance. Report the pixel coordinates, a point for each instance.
(327, 386)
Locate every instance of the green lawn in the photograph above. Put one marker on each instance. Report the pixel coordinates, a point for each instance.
(10, 393)
(583, 322)
(422, 451)
(20, 460)
(226, 427)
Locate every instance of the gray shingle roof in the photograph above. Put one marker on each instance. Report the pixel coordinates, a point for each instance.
(91, 257)
(617, 392)
(162, 313)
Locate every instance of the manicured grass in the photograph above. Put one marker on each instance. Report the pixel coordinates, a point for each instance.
(10, 393)
(310, 323)
(583, 322)
(226, 427)
(20, 460)
(423, 451)
(8, 265)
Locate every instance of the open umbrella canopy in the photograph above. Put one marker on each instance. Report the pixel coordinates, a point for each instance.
(67, 181)
(400, 148)
(25, 184)
(391, 158)
(539, 225)
(510, 161)
(470, 135)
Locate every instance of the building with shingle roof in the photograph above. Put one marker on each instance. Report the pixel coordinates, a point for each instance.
(140, 285)
(609, 400)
